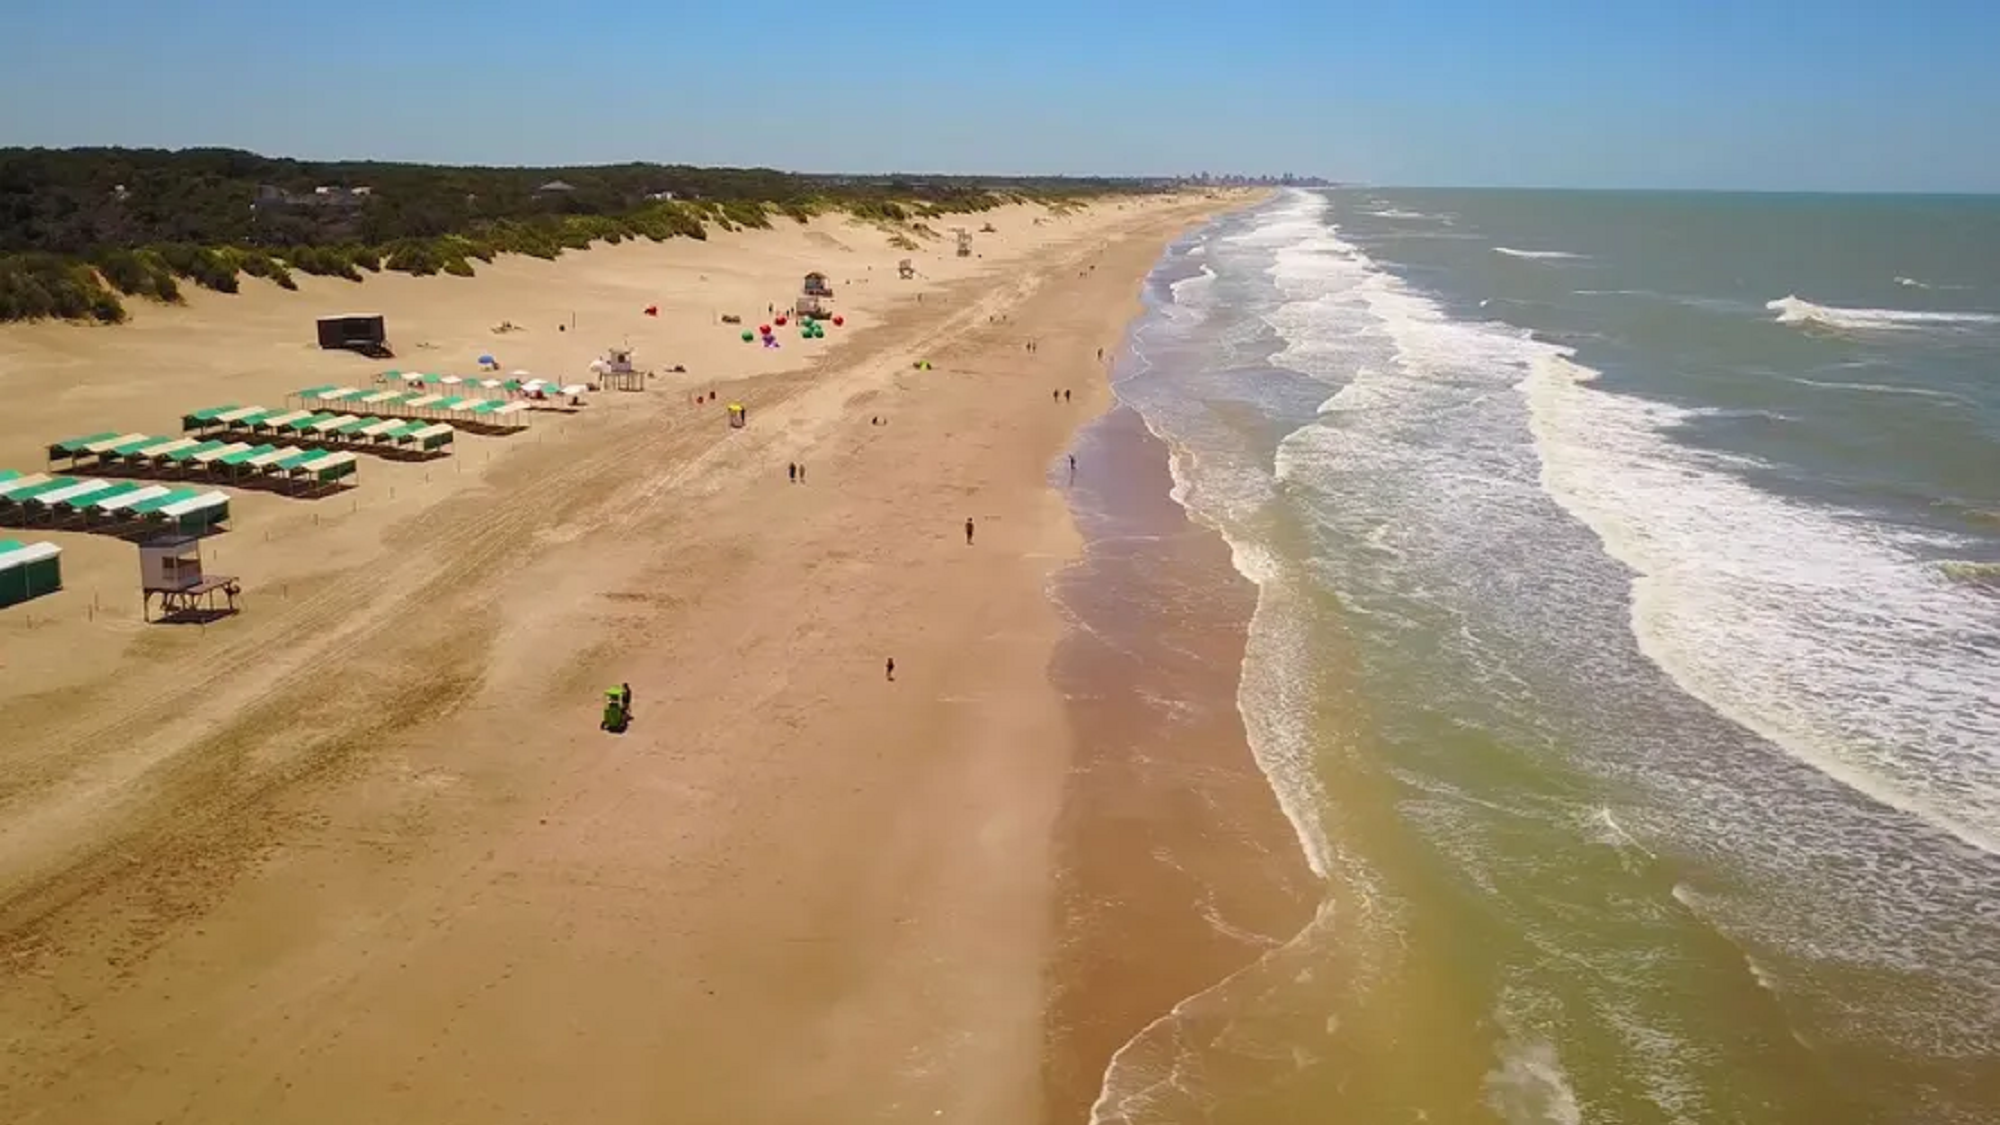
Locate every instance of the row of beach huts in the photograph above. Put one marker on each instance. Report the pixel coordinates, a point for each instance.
(159, 488)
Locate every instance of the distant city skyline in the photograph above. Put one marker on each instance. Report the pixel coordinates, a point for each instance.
(1694, 94)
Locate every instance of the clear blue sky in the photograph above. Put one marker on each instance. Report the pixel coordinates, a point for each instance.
(1814, 94)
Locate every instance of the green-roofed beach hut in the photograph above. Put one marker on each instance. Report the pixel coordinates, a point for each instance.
(28, 570)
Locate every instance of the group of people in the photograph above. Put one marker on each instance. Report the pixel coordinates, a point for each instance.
(796, 471)
(1059, 396)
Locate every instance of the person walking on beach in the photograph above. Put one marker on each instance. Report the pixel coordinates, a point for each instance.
(1065, 396)
(968, 531)
(802, 472)
(1072, 468)
(1055, 396)
(889, 669)
(625, 698)
(792, 471)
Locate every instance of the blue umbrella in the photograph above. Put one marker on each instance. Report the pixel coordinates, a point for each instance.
(486, 360)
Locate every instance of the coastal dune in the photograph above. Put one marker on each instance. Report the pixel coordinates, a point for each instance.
(362, 854)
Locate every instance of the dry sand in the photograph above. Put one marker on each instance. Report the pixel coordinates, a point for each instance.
(361, 853)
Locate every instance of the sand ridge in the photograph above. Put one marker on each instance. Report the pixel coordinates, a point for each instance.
(361, 854)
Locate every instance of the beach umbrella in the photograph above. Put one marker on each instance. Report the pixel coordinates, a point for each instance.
(748, 335)
(765, 329)
(486, 361)
(839, 320)
(781, 322)
(652, 310)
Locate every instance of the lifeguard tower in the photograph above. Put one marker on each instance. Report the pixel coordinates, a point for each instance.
(964, 241)
(737, 416)
(906, 269)
(170, 569)
(616, 373)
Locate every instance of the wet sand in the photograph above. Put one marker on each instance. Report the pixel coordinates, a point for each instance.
(1176, 866)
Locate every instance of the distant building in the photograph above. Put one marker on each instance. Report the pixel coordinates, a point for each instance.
(554, 187)
(326, 195)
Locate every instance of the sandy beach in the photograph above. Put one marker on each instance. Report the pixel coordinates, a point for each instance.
(361, 852)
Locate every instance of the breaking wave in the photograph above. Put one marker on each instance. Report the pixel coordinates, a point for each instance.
(1540, 255)
(1795, 310)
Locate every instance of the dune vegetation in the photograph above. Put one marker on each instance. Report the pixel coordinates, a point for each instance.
(83, 229)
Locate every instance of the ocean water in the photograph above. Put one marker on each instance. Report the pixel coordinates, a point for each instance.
(1626, 653)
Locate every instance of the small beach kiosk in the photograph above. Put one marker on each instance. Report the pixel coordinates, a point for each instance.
(170, 569)
(815, 298)
(28, 570)
(737, 416)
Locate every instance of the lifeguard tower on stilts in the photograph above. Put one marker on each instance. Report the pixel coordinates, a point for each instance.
(170, 569)
(615, 371)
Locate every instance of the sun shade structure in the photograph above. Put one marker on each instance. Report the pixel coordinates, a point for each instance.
(28, 570)
(236, 457)
(38, 496)
(321, 428)
(452, 404)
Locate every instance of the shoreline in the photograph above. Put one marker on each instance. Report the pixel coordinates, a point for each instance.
(1178, 868)
(376, 803)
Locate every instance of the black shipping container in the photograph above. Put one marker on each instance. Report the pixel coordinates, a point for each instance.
(359, 333)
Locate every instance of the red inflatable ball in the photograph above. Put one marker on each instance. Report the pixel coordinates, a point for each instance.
(839, 320)
(765, 329)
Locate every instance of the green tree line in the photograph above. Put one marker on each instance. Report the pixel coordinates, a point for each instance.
(82, 228)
